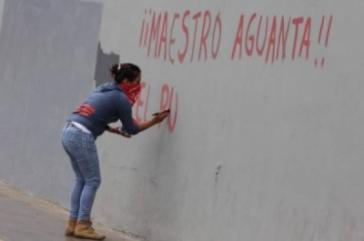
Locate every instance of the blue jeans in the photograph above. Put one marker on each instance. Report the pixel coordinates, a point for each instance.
(81, 149)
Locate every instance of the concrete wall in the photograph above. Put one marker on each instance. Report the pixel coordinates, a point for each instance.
(47, 65)
(265, 137)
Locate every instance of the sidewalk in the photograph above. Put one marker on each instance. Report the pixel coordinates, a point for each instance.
(26, 218)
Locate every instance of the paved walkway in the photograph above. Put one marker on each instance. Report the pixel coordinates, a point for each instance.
(27, 218)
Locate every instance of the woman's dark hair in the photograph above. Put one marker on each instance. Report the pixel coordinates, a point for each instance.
(126, 71)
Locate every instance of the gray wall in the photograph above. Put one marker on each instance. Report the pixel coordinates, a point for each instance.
(47, 60)
(260, 150)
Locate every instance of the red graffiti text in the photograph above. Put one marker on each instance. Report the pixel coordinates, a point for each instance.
(181, 36)
(274, 38)
(168, 100)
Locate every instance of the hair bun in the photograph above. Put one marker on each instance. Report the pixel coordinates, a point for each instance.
(114, 69)
(126, 71)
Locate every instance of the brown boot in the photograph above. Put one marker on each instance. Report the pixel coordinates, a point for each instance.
(84, 229)
(71, 225)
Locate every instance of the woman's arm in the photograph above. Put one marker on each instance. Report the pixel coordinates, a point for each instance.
(158, 118)
(132, 127)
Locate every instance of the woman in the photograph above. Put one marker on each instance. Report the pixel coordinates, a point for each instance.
(107, 103)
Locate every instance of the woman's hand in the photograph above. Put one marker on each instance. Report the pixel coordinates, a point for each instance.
(157, 118)
(160, 117)
(117, 130)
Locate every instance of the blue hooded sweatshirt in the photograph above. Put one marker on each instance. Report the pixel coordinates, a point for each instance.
(108, 103)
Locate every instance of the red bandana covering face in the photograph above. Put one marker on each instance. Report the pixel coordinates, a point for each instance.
(132, 90)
